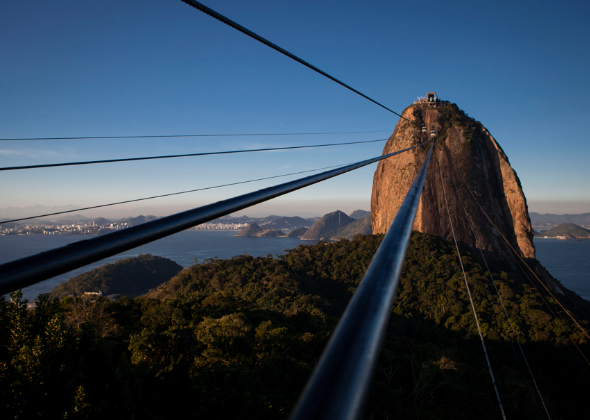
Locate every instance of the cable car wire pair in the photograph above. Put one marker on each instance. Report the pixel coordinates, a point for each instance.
(229, 152)
(341, 380)
(169, 136)
(30, 270)
(168, 194)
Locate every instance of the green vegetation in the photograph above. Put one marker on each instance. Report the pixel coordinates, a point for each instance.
(569, 230)
(129, 277)
(238, 339)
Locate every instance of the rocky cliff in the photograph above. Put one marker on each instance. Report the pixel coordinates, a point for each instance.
(465, 154)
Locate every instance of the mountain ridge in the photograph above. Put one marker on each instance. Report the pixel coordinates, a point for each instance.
(329, 222)
(567, 230)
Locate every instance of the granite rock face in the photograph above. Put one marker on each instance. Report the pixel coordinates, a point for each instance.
(465, 157)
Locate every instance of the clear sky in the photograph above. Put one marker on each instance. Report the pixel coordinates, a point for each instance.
(72, 68)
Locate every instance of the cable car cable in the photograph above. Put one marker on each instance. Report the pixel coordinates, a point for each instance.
(342, 376)
(526, 265)
(229, 22)
(229, 152)
(35, 268)
(167, 136)
(512, 252)
(496, 288)
(169, 194)
(471, 298)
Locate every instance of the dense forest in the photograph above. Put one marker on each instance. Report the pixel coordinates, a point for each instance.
(238, 339)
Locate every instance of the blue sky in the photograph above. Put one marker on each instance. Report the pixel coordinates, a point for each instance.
(161, 67)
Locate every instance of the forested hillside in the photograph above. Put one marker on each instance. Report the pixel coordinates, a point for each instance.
(568, 230)
(130, 277)
(238, 339)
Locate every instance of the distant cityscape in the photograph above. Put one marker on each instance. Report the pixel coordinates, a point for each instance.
(79, 225)
(92, 229)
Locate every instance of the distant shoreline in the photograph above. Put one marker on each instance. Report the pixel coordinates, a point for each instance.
(562, 239)
(85, 234)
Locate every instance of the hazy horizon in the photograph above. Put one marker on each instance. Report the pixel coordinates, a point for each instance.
(302, 209)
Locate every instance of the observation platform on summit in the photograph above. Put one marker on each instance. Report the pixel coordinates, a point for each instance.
(431, 99)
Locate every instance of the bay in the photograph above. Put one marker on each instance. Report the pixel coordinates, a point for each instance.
(183, 247)
(568, 261)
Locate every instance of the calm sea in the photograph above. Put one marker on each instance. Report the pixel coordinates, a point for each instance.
(568, 261)
(183, 247)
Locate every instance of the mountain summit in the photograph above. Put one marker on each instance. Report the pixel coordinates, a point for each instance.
(326, 225)
(465, 157)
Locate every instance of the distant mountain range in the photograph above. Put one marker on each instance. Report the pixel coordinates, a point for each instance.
(9, 212)
(549, 220)
(360, 214)
(334, 225)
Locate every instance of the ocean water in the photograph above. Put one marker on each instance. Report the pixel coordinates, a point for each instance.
(183, 247)
(568, 261)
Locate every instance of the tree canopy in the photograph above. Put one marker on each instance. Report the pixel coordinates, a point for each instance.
(238, 339)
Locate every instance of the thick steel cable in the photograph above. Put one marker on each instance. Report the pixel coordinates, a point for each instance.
(229, 22)
(229, 152)
(485, 351)
(524, 262)
(339, 383)
(170, 136)
(497, 291)
(167, 195)
(24, 272)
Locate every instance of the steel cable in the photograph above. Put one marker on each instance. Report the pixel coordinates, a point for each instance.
(342, 377)
(526, 265)
(168, 136)
(237, 26)
(167, 195)
(485, 351)
(229, 152)
(497, 291)
(33, 269)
